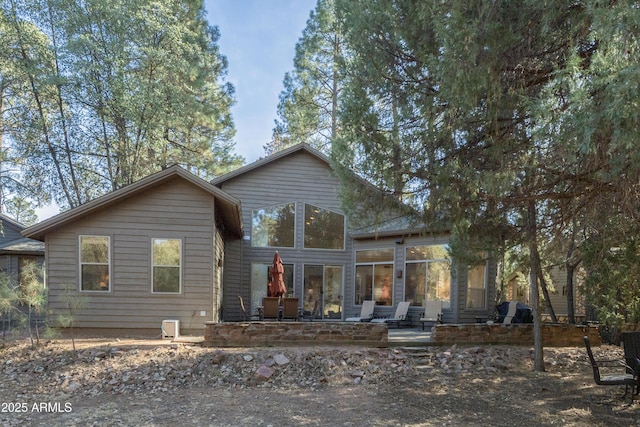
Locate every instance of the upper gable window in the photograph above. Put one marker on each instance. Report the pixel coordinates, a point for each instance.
(274, 226)
(94, 263)
(166, 265)
(323, 229)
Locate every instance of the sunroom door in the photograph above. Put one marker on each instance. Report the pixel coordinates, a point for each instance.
(323, 291)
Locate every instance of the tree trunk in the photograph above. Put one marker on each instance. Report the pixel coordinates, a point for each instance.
(571, 310)
(545, 292)
(535, 297)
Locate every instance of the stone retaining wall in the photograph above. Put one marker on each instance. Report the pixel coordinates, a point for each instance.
(294, 333)
(553, 335)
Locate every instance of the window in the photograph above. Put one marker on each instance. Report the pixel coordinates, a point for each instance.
(477, 286)
(323, 229)
(274, 226)
(374, 276)
(166, 263)
(428, 275)
(322, 291)
(94, 263)
(260, 280)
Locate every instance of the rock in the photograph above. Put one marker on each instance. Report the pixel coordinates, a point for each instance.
(281, 359)
(264, 373)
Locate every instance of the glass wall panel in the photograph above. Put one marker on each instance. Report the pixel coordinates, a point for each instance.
(374, 276)
(274, 226)
(375, 255)
(323, 229)
(260, 280)
(428, 275)
(364, 281)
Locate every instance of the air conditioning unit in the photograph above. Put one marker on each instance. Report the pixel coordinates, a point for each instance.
(170, 329)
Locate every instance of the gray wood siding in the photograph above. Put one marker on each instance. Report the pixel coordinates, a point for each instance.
(176, 209)
(9, 232)
(300, 178)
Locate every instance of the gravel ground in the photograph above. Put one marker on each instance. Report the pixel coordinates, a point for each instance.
(108, 382)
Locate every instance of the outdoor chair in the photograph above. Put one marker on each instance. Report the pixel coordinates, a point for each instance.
(432, 313)
(290, 309)
(631, 344)
(625, 379)
(246, 316)
(366, 312)
(271, 308)
(400, 316)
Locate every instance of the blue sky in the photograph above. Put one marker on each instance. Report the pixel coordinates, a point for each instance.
(258, 37)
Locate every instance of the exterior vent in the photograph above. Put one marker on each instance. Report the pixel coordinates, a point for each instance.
(170, 329)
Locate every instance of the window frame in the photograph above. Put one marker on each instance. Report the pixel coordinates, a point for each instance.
(294, 231)
(485, 288)
(304, 228)
(81, 264)
(373, 265)
(180, 269)
(447, 304)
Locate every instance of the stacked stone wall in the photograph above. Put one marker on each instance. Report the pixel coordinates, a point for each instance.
(553, 335)
(294, 333)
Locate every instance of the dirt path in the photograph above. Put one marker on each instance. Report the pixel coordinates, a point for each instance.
(142, 384)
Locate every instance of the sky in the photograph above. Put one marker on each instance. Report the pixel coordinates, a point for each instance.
(258, 37)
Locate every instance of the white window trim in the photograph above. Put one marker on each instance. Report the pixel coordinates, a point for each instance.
(80, 264)
(179, 267)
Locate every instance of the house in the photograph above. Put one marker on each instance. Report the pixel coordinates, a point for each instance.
(519, 289)
(17, 251)
(147, 252)
(173, 246)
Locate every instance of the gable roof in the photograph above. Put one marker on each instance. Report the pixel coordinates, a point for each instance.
(8, 220)
(302, 147)
(229, 206)
(399, 225)
(17, 244)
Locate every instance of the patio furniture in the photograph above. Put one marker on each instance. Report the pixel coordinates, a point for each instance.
(366, 312)
(514, 312)
(399, 316)
(290, 309)
(625, 379)
(270, 308)
(432, 313)
(631, 344)
(246, 316)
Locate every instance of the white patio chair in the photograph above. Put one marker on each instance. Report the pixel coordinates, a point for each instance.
(366, 313)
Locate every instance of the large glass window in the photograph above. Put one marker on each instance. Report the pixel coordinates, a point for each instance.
(260, 280)
(428, 275)
(374, 276)
(274, 226)
(166, 259)
(323, 229)
(477, 286)
(94, 263)
(322, 291)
